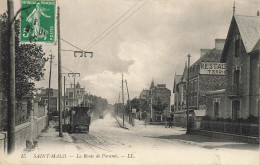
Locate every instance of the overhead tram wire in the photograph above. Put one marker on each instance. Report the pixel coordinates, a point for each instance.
(115, 27)
(119, 24)
(74, 47)
(112, 24)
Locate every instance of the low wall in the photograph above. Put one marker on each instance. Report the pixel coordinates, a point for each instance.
(227, 136)
(29, 130)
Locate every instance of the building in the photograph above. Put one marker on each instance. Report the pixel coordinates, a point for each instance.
(144, 102)
(241, 55)
(74, 96)
(43, 99)
(179, 90)
(206, 74)
(160, 97)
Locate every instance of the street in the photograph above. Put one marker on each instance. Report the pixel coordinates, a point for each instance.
(160, 145)
(108, 143)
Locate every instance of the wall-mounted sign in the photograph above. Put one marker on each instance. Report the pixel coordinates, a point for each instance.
(213, 68)
(38, 21)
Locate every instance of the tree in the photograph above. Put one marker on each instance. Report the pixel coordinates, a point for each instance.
(135, 104)
(30, 61)
(159, 107)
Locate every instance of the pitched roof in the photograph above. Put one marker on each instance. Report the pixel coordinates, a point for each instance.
(249, 28)
(144, 94)
(213, 55)
(185, 74)
(177, 80)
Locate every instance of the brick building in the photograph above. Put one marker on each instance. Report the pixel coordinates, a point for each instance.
(241, 55)
(206, 74)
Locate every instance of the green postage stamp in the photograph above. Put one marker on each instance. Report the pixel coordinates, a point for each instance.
(38, 21)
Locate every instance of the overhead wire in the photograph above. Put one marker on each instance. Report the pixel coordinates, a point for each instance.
(116, 26)
(112, 24)
(95, 41)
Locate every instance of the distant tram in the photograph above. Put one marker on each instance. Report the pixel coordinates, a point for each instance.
(80, 119)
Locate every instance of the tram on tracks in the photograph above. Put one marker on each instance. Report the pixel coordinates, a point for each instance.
(80, 119)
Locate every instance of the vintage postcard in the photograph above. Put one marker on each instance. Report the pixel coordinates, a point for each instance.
(129, 82)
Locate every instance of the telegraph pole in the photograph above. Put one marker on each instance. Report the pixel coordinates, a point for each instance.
(59, 73)
(74, 75)
(11, 84)
(64, 101)
(130, 115)
(123, 99)
(188, 95)
(51, 58)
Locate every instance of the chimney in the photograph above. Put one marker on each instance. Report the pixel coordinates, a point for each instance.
(257, 13)
(203, 51)
(219, 44)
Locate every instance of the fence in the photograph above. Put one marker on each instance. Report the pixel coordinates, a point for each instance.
(232, 128)
(3, 142)
(21, 113)
(3, 114)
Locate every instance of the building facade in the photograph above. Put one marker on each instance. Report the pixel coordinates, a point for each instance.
(241, 54)
(160, 97)
(74, 96)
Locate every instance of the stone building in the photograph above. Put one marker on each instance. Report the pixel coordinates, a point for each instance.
(241, 55)
(179, 90)
(144, 102)
(159, 95)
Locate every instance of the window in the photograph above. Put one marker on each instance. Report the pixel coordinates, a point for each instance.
(237, 45)
(77, 91)
(235, 109)
(236, 78)
(195, 85)
(46, 101)
(71, 95)
(66, 102)
(216, 109)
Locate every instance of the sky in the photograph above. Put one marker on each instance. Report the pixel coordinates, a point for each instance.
(150, 42)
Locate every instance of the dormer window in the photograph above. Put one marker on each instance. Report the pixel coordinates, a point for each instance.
(237, 45)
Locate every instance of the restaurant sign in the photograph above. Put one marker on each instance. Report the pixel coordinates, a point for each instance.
(213, 68)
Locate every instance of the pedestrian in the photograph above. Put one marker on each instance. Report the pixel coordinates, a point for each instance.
(170, 124)
(166, 123)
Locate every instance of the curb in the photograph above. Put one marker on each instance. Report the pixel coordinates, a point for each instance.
(119, 123)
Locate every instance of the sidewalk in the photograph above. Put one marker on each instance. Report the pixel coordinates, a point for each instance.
(50, 148)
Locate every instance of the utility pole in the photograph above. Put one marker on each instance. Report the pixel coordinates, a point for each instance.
(130, 107)
(11, 85)
(74, 96)
(188, 95)
(59, 73)
(118, 103)
(123, 99)
(64, 101)
(51, 58)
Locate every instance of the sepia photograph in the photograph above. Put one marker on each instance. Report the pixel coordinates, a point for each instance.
(135, 82)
